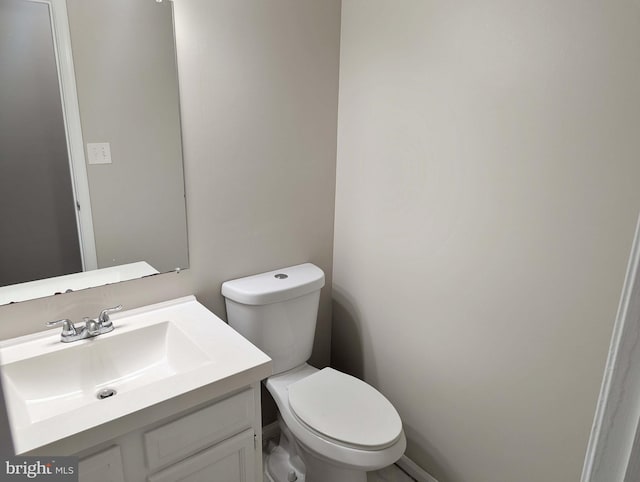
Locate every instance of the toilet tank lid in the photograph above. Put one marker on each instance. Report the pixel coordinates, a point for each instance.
(274, 286)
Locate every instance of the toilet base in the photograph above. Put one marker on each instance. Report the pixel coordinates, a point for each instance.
(289, 461)
(282, 462)
(319, 470)
(278, 467)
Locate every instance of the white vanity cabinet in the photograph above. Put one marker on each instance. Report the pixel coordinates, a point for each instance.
(185, 403)
(214, 442)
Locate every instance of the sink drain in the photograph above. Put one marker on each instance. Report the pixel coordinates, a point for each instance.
(106, 393)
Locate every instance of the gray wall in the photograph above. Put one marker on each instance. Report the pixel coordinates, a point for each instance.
(259, 87)
(127, 84)
(38, 237)
(487, 193)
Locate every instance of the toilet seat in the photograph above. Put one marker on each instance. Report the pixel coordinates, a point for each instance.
(345, 409)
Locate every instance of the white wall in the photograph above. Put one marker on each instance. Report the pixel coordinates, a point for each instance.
(486, 200)
(259, 99)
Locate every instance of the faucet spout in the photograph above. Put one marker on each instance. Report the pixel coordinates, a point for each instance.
(92, 327)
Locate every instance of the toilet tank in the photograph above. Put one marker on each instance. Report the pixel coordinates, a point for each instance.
(277, 312)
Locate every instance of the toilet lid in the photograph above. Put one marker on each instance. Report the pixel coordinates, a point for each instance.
(345, 409)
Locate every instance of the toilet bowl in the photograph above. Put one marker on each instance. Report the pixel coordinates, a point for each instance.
(339, 423)
(338, 426)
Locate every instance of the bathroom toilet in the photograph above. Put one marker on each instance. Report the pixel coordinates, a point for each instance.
(334, 427)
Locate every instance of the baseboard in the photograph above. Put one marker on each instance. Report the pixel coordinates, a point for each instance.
(414, 470)
(272, 431)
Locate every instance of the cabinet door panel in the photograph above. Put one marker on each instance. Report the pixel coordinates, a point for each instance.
(229, 461)
(102, 467)
(190, 434)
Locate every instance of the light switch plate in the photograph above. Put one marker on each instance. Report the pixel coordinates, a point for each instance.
(99, 152)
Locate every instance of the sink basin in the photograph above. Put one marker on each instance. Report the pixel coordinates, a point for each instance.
(58, 382)
(154, 353)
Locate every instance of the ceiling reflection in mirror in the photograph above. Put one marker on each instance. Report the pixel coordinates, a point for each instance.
(101, 201)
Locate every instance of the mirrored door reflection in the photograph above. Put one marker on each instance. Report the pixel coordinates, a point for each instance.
(39, 234)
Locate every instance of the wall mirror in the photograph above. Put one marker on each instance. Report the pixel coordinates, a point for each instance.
(91, 173)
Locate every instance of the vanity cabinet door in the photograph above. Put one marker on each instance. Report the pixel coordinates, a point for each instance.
(188, 435)
(102, 467)
(230, 461)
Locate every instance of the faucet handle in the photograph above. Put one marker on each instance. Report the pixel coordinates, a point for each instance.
(68, 328)
(103, 318)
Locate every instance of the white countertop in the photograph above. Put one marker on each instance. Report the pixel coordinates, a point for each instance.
(225, 358)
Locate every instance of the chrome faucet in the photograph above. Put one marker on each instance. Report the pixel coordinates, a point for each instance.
(91, 328)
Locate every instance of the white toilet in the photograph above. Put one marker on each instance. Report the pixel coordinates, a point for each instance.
(334, 427)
